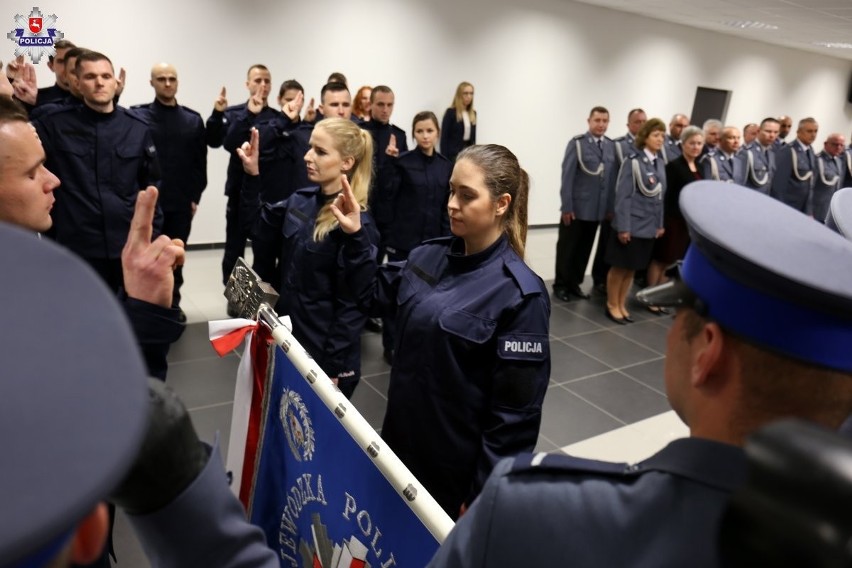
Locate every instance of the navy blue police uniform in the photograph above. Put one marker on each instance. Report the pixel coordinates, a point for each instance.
(103, 160)
(381, 204)
(229, 129)
(51, 94)
(793, 182)
(827, 179)
(471, 367)
(542, 510)
(452, 135)
(589, 169)
(178, 134)
(313, 278)
(758, 164)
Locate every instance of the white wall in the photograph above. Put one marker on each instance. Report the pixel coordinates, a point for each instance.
(537, 68)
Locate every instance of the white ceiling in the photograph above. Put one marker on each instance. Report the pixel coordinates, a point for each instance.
(800, 22)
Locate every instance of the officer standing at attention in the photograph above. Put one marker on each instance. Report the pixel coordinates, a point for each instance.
(786, 125)
(712, 132)
(671, 148)
(588, 185)
(178, 134)
(104, 154)
(739, 355)
(625, 145)
(59, 90)
(229, 127)
(758, 158)
(829, 174)
(750, 131)
(793, 182)
(723, 165)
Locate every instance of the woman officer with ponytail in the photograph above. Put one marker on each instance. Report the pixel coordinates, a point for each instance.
(317, 264)
(472, 358)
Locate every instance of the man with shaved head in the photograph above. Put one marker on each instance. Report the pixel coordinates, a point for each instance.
(671, 149)
(179, 136)
(785, 124)
(796, 165)
(723, 165)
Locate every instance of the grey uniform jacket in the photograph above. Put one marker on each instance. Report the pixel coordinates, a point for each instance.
(564, 511)
(720, 167)
(588, 177)
(759, 166)
(827, 180)
(671, 149)
(793, 182)
(624, 146)
(639, 196)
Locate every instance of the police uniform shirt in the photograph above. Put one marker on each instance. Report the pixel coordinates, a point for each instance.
(721, 166)
(758, 165)
(380, 203)
(639, 195)
(624, 146)
(51, 94)
(546, 510)
(103, 160)
(588, 177)
(471, 363)
(179, 136)
(794, 176)
(671, 149)
(827, 177)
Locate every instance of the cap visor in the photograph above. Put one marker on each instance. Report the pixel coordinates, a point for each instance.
(671, 294)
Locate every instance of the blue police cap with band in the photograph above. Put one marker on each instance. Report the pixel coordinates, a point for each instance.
(764, 272)
(73, 396)
(839, 216)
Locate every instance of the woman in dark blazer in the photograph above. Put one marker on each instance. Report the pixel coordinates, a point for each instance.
(638, 217)
(680, 172)
(458, 128)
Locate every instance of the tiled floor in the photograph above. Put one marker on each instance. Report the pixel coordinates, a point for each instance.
(606, 398)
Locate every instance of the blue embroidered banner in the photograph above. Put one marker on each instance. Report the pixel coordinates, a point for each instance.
(317, 495)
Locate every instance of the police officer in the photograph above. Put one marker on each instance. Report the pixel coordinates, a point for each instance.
(758, 158)
(419, 182)
(104, 155)
(229, 127)
(301, 251)
(785, 126)
(671, 148)
(735, 360)
(624, 145)
(78, 426)
(793, 182)
(178, 134)
(588, 184)
(828, 175)
(750, 131)
(56, 63)
(472, 359)
(723, 164)
(712, 132)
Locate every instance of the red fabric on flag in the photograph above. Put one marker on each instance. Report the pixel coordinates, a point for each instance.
(230, 341)
(260, 343)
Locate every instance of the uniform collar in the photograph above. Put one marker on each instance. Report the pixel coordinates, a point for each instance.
(458, 259)
(718, 465)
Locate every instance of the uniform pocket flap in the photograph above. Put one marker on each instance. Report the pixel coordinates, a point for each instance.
(467, 326)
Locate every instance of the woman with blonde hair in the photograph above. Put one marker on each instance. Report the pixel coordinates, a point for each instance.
(300, 249)
(472, 359)
(458, 128)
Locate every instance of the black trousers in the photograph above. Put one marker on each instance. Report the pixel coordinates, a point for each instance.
(573, 248)
(235, 236)
(600, 268)
(176, 225)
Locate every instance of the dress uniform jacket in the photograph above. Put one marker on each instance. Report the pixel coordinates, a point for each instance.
(178, 134)
(847, 167)
(723, 167)
(381, 204)
(560, 510)
(51, 94)
(827, 178)
(314, 278)
(471, 366)
(452, 135)
(793, 182)
(759, 166)
(639, 196)
(588, 176)
(419, 189)
(671, 149)
(103, 161)
(624, 146)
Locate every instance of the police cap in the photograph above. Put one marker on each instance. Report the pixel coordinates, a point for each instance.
(839, 216)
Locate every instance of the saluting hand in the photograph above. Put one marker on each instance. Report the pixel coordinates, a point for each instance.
(249, 153)
(221, 101)
(148, 266)
(14, 66)
(25, 84)
(255, 104)
(392, 150)
(120, 82)
(346, 209)
(311, 112)
(294, 107)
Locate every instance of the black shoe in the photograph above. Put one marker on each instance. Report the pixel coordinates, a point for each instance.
(576, 291)
(374, 325)
(562, 294)
(619, 321)
(658, 311)
(629, 319)
(387, 355)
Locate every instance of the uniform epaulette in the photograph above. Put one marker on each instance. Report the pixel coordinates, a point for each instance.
(141, 106)
(556, 463)
(189, 110)
(579, 137)
(527, 280)
(438, 240)
(607, 138)
(134, 115)
(56, 109)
